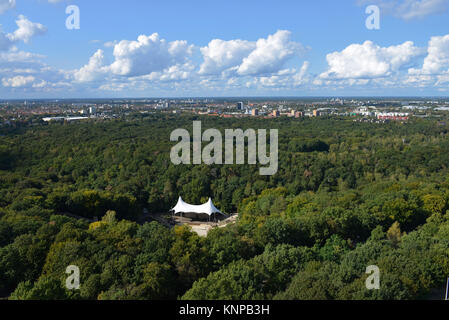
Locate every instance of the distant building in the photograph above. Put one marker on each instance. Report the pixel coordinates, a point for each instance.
(363, 112)
(239, 105)
(316, 113)
(276, 113)
(53, 119)
(68, 119)
(92, 110)
(296, 114)
(254, 112)
(393, 116)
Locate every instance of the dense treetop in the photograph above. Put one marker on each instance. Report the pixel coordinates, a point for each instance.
(347, 195)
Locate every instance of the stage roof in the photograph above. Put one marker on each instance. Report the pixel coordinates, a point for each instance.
(207, 208)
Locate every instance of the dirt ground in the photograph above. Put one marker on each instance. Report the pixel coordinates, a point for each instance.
(203, 228)
(200, 227)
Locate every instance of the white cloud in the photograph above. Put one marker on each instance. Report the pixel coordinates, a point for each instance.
(369, 60)
(26, 30)
(270, 54)
(148, 58)
(14, 56)
(286, 79)
(174, 73)
(249, 58)
(114, 86)
(410, 9)
(26, 71)
(437, 59)
(418, 9)
(110, 44)
(18, 81)
(5, 5)
(94, 70)
(220, 55)
(41, 84)
(151, 62)
(301, 77)
(148, 54)
(442, 79)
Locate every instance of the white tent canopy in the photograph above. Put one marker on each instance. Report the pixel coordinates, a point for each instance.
(207, 208)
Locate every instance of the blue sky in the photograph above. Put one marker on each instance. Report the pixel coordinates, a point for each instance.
(173, 48)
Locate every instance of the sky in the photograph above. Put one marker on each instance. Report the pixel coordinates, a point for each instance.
(202, 48)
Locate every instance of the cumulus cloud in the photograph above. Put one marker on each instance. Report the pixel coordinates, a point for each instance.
(437, 59)
(5, 5)
(154, 64)
(220, 55)
(151, 62)
(93, 70)
(26, 30)
(18, 81)
(249, 58)
(270, 54)
(174, 73)
(148, 54)
(286, 79)
(369, 60)
(410, 9)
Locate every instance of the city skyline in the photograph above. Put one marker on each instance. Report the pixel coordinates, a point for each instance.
(170, 49)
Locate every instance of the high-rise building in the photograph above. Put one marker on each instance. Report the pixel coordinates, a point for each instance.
(239, 105)
(255, 112)
(276, 113)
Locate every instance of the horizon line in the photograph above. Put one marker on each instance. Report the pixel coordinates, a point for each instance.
(229, 97)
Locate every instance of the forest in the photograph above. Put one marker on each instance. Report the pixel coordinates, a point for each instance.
(347, 195)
